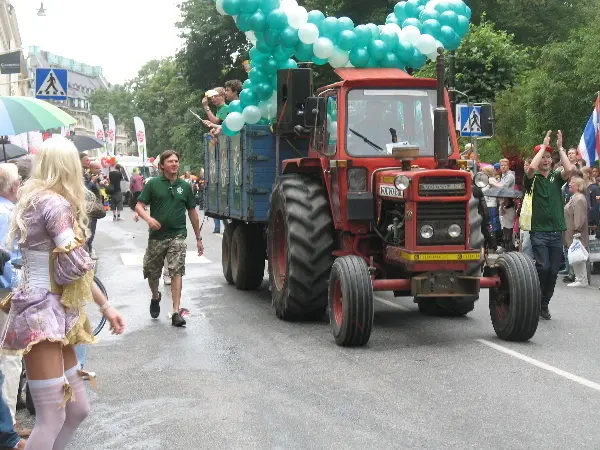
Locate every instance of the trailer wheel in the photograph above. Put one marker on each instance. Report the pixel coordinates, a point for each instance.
(476, 238)
(226, 251)
(515, 305)
(247, 257)
(351, 307)
(299, 246)
(445, 307)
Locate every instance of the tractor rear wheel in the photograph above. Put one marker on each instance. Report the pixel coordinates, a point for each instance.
(515, 304)
(226, 252)
(299, 246)
(351, 307)
(247, 257)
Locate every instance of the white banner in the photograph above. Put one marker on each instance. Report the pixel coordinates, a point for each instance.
(140, 136)
(112, 135)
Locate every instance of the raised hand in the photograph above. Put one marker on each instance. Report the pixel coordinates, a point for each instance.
(547, 138)
(559, 139)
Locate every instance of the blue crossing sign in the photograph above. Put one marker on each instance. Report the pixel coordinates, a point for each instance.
(51, 84)
(468, 120)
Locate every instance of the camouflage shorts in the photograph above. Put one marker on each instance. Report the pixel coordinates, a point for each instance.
(160, 251)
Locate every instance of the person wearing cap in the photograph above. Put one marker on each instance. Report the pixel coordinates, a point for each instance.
(217, 97)
(547, 215)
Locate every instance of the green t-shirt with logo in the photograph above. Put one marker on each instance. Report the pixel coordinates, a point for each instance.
(222, 112)
(169, 203)
(547, 204)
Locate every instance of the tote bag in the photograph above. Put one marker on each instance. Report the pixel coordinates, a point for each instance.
(527, 210)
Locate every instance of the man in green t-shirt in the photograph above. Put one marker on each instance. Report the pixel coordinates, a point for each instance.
(547, 215)
(217, 98)
(169, 199)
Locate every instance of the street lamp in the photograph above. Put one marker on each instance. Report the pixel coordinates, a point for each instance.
(41, 11)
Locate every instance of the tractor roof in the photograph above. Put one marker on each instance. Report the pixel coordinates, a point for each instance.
(378, 78)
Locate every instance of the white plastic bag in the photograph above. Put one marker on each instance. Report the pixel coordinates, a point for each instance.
(577, 252)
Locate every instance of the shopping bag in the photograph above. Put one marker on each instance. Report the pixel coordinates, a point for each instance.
(527, 210)
(577, 252)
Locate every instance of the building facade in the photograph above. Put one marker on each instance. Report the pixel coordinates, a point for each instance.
(83, 80)
(10, 39)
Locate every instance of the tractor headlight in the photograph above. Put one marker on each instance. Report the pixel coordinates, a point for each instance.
(481, 180)
(401, 182)
(454, 231)
(426, 231)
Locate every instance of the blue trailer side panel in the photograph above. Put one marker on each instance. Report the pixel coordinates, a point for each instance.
(241, 171)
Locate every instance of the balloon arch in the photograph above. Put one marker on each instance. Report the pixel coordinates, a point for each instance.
(281, 30)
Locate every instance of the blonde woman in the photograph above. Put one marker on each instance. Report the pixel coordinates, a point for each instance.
(47, 316)
(576, 218)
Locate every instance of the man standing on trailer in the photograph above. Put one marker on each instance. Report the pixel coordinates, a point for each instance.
(547, 215)
(169, 198)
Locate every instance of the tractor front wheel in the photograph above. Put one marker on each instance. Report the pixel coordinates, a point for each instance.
(515, 304)
(247, 257)
(351, 308)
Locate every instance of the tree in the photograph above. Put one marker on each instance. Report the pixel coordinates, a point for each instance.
(116, 100)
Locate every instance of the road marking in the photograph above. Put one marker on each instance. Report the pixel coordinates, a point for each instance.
(137, 259)
(392, 304)
(218, 234)
(541, 365)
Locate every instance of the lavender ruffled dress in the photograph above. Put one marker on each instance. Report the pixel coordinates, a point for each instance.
(45, 305)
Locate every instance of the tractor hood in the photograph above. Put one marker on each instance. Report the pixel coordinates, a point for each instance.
(425, 185)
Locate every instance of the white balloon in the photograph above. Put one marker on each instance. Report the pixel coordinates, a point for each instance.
(219, 5)
(251, 37)
(297, 17)
(349, 65)
(308, 33)
(432, 56)
(323, 48)
(234, 121)
(391, 28)
(339, 58)
(410, 34)
(252, 114)
(332, 128)
(426, 44)
(288, 4)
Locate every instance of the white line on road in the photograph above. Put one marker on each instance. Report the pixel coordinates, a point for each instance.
(218, 234)
(392, 304)
(541, 365)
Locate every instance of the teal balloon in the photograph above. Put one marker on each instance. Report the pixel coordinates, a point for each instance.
(257, 56)
(282, 54)
(264, 121)
(442, 6)
(413, 22)
(290, 64)
(277, 19)
(400, 11)
(319, 61)
(235, 106)
(447, 36)
(243, 22)
(405, 51)
(359, 57)
(429, 14)
(462, 28)
(372, 63)
(247, 84)
(347, 40)
(232, 7)
(263, 47)
(363, 35)
(449, 18)
(249, 6)
(273, 37)
(467, 13)
(345, 23)
(432, 27)
(391, 18)
(453, 43)
(270, 66)
(330, 29)
(226, 131)
(289, 37)
(377, 49)
(316, 17)
(458, 6)
(258, 21)
(412, 8)
(269, 5)
(391, 61)
(374, 30)
(264, 91)
(257, 76)
(304, 52)
(390, 39)
(417, 60)
(248, 97)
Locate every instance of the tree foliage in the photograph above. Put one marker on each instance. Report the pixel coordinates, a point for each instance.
(118, 101)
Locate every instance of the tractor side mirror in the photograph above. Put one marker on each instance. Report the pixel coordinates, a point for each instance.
(316, 111)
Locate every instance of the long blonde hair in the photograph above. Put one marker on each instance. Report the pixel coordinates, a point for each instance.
(56, 169)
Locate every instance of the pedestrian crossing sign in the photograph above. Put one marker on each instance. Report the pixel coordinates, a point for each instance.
(468, 120)
(51, 84)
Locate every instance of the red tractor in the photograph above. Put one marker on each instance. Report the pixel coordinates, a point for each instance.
(375, 203)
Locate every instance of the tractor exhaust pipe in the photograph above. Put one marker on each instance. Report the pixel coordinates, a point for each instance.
(440, 116)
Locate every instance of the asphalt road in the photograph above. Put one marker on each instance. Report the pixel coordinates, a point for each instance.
(239, 378)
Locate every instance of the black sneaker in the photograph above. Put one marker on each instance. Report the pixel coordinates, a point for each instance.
(545, 314)
(155, 307)
(569, 279)
(177, 320)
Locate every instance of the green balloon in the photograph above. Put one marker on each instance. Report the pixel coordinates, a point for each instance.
(363, 35)
(249, 6)
(243, 22)
(359, 57)
(347, 40)
(378, 49)
(449, 18)
(289, 37)
(232, 7)
(432, 27)
(316, 17)
(277, 19)
(258, 21)
(462, 28)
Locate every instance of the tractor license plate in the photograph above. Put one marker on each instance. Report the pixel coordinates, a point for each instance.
(390, 191)
(472, 256)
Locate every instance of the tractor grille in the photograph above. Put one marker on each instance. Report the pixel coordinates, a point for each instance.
(442, 187)
(440, 216)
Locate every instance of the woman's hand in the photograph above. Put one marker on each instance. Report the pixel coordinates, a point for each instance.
(117, 323)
